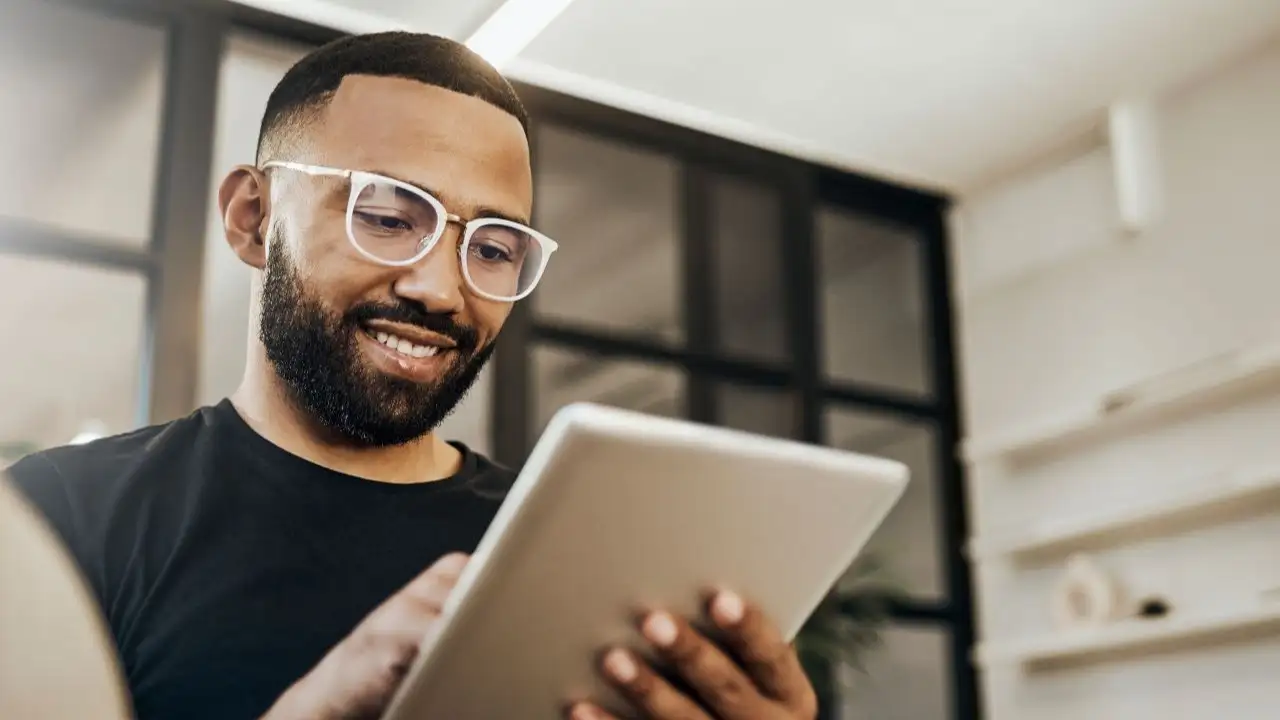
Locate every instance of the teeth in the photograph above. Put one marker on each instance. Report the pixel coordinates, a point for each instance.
(405, 347)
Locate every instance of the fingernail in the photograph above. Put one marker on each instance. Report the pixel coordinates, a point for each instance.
(660, 629)
(584, 712)
(619, 665)
(728, 608)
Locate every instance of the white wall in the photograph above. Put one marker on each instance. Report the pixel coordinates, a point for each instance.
(1056, 310)
(251, 68)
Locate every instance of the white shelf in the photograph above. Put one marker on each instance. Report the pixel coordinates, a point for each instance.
(1213, 382)
(1233, 496)
(1131, 639)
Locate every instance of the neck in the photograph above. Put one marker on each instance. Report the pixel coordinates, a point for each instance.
(266, 406)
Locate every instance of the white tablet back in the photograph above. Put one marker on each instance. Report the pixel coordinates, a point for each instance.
(615, 512)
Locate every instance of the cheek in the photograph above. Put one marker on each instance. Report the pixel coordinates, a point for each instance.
(489, 317)
(325, 260)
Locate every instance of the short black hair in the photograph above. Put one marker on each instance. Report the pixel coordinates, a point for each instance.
(311, 83)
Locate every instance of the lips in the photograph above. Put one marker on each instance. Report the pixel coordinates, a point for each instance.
(406, 341)
(401, 357)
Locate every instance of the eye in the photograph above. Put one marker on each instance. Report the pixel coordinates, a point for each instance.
(490, 253)
(382, 221)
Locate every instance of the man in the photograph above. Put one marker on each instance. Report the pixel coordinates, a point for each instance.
(284, 552)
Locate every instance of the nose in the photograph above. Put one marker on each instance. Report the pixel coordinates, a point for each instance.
(436, 280)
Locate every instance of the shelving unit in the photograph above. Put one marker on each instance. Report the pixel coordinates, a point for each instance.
(1132, 639)
(1213, 382)
(1237, 495)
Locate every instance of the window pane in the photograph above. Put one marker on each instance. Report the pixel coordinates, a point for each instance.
(565, 376)
(80, 119)
(615, 212)
(908, 543)
(765, 411)
(872, 302)
(746, 229)
(251, 66)
(908, 677)
(76, 368)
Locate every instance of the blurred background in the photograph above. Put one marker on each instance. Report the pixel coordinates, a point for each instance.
(1026, 247)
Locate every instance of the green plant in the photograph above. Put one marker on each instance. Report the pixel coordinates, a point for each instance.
(849, 620)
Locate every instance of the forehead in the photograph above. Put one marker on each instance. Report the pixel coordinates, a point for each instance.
(468, 151)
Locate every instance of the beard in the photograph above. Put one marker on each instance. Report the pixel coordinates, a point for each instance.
(315, 353)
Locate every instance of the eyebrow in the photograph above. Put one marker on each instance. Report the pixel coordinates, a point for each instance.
(481, 212)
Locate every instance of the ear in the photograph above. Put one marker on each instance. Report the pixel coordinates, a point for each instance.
(244, 201)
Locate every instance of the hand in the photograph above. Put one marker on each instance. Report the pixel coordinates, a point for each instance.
(358, 677)
(757, 677)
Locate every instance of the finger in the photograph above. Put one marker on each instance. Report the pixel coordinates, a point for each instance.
(647, 690)
(408, 614)
(587, 711)
(433, 586)
(722, 686)
(374, 659)
(403, 621)
(771, 662)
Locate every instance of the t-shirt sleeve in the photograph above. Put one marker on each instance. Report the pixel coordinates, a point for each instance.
(44, 484)
(40, 482)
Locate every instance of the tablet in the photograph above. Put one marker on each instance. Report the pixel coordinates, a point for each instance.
(615, 511)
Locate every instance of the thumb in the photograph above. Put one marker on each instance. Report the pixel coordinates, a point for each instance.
(435, 583)
(451, 564)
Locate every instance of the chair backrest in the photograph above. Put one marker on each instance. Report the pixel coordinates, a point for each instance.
(57, 659)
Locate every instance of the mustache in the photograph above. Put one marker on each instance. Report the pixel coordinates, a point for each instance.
(466, 337)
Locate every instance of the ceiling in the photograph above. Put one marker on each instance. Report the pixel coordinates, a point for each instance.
(945, 94)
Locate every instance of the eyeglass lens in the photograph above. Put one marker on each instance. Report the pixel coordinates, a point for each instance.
(391, 222)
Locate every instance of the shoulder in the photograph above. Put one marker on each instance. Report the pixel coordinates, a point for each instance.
(93, 464)
(485, 477)
(41, 483)
(52, 479)
(74, 484)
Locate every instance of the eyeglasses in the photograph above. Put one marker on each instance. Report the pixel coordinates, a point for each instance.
(393, 223)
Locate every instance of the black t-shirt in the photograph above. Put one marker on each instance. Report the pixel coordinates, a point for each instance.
(227, 567)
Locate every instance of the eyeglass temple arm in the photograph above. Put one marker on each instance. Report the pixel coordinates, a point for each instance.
(308, 169)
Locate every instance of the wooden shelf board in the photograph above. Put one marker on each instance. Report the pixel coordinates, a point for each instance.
(1133, 639)
(1212, 383)
(1235, 496)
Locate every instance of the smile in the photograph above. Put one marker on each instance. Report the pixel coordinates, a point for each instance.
(402, 346)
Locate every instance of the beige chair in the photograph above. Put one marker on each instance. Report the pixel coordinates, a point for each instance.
(56, 658)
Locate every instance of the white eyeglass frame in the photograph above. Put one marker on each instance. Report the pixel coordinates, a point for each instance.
(360, 179)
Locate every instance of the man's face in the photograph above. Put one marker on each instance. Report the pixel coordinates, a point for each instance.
(329, 315)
